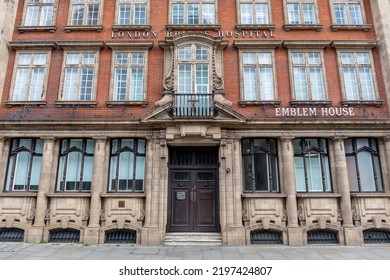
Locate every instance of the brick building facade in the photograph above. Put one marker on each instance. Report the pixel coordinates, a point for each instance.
(254, 121)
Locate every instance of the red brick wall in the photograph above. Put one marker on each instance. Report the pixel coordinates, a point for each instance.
(227, 16)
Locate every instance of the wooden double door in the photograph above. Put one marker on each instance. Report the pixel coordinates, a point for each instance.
(193, 201)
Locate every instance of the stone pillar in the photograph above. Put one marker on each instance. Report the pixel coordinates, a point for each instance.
(342, 181)
(294, 231)
(386, 180)
(47, 172)
(232, 172)
(98, 178)
(155, 190)
(351, 234)
(2, 143)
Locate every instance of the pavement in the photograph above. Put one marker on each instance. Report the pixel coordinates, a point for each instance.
(52, 251)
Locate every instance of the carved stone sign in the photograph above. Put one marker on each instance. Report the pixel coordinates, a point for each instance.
(315, 112)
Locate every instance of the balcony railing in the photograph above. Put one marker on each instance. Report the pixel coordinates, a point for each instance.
(195, 105)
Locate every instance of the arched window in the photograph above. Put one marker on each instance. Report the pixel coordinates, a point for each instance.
(193, 80)
(24, 165)
(312, 171)
(364, 171)
(127, 165)
(76, 164)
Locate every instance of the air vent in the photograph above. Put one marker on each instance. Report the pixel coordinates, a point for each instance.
(322, 237)
(266, 237)
(376, 236)
(11, 235)
(121, 236)
(64, 236)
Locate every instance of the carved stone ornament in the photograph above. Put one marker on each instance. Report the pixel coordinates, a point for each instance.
(85, 215)
(301, 216)
(31, 215)
(102, 215)
(47, 214)
(245, 215)
(339, 215)
(285, 215)
(355, 215)
(142, 216)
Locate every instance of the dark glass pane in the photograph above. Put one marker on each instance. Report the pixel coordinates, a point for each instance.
(180, 176)
(261, 172)
(247, 173)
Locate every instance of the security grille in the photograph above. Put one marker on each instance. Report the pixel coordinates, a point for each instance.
(376, 236)
(193, 156)
(266, 237)
(322, 237)
(121, 236)
(11, 235)
(64, 236)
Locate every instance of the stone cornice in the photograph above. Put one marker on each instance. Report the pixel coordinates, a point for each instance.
(80, 44)
(346, 44)
(32, 45)
(257, 44)
(306, 44)
(130, 44)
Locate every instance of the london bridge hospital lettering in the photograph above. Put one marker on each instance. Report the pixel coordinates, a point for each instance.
(255, 34)
(315, 112)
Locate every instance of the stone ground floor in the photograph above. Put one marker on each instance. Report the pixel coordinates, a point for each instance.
(263, 185)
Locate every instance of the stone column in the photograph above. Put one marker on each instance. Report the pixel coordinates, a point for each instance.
(2, 143)
(342, 180)
(386, 183)
(98, 174)
(45, 179)
(294, 231)
(289, 181)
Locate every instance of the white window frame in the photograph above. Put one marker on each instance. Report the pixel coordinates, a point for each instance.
(347, 3)
(79, 67)
(254, 3)
(86, 3)
(257, 66)
(186, 3)
(307, 67)
(30, 67)
(129, 66)
(193, 62)
(132, 4)
(41, 4)
(301, 12)
(356, 67)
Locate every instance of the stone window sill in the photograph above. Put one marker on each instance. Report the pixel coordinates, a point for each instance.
(70, 28)
(240, 27)
(126, 103)
(69, 194)
(289, 27)
(318, 195)
(75, 103)
(377, 103)
(23, 29)
(10, 104)
(263, 195)
(372, 194)
(337, 27)
(244, 103)
(123, 195)
(171, 27)
(18, 194)
(314, 103)
(118, 27)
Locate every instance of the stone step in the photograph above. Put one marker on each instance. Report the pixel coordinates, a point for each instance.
(193, 239)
